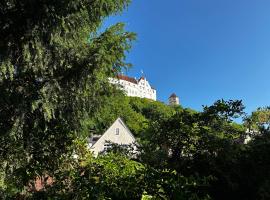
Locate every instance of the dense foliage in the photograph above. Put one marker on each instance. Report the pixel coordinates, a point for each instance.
(206, 147)
(136, 112)
(54, 65)
(259, 120)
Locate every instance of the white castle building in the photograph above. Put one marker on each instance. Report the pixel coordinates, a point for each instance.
(135, 88)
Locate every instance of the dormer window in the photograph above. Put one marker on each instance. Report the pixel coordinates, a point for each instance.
(117, 131)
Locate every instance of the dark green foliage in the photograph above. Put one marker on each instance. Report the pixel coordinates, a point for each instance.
(246, 172)
(169, 184)
(187, 133)
(108, 177)
(255, 169)
(54, 66)
(197, 143)
(114, 176)
(208, 144)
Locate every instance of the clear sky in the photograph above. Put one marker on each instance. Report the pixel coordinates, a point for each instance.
(203, 50)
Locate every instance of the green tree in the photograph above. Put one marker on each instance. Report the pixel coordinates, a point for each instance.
(111, 176)
(259, 120)
(54, 65)
(202, 144)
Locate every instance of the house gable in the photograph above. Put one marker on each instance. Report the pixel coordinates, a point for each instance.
(117, 133)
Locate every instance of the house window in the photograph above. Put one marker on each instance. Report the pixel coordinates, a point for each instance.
(117, 131)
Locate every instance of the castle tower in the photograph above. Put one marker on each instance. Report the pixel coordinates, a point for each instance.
(174, 100)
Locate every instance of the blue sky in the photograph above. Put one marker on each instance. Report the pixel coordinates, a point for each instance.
(203, 50)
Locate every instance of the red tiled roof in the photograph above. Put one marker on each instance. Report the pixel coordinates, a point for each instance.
(126, 78)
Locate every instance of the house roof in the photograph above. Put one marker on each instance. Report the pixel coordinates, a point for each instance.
(126, 78)
(132, 80)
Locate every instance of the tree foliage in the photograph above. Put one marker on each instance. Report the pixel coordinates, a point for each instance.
(54, 65)
(197, 143)
(259, 120)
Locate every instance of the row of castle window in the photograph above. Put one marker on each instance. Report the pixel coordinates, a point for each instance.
(133, 84)
(134, 92)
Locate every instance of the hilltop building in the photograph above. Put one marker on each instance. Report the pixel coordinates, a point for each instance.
(174, 100)
(118, 133)
(135, 88)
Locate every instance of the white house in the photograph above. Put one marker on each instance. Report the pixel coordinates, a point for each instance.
(118, 133)
(135, 88)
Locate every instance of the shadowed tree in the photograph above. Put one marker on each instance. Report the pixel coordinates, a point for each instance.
(54, 65)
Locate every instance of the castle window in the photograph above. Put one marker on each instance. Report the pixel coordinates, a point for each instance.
(117, 131)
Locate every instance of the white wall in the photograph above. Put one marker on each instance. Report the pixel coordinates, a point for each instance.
(142, 89)
(123, 138)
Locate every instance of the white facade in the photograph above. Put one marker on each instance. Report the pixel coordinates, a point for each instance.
(118, 133)
(135, 88)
